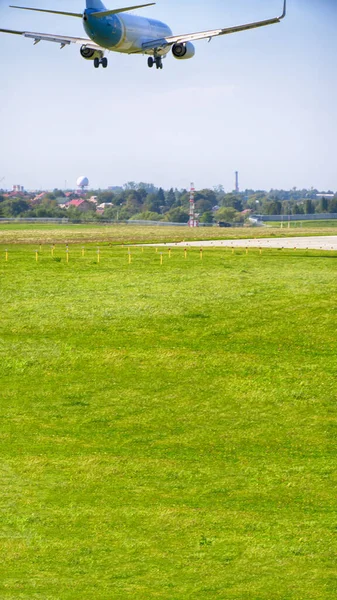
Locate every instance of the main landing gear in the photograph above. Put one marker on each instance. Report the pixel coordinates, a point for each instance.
(101, 61)
(157, 60)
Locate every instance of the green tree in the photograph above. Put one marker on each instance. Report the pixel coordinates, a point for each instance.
(232, 200)
(58, 193)
(107, 197)
(177, 215)
(207, 217)
(203, 205)
(208, 195)
(74, 214)
(323, 205)
(298, 209)
(309, 207)
(273, 208)
(161, 197)
(170, 198)
(49, 196)
(133, 202)
(146, 216)
(15, 207)
(142, 194)
(333, 205)
(226, 213)
(111, 213)
(152, 203)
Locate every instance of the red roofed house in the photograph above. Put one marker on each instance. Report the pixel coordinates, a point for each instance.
(82, 205)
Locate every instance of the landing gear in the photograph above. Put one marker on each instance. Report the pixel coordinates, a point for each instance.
(101, 61)
(157, 60)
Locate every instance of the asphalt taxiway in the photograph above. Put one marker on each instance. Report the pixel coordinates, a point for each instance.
(300, 243)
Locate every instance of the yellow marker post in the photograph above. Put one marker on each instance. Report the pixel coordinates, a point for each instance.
(200, 253)
(67, 255)
(185, 253)
(82, 250)
(6, 255)
(156, 250)
(169, 252)
(52, 250)
(130, 258)
(98, 255)
(36, 255)
(260, 251)
(246, 250)
(161, 258)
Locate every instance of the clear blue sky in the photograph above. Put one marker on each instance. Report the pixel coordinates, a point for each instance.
(262, 102)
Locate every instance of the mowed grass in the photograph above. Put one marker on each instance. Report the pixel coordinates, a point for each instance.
(22, 233)
(168, 431)
(329, 224)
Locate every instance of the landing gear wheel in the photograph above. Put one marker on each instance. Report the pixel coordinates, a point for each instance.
(104, 63)
(96, 63)
(150, 62)
(159, 62)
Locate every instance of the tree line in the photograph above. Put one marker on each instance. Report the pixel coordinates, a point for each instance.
(142, 201)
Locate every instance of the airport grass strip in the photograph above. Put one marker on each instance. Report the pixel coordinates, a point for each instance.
(168, 431)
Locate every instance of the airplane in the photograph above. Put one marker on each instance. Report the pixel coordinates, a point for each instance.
(118, 31)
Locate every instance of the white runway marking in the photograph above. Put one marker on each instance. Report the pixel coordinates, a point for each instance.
(300, 243)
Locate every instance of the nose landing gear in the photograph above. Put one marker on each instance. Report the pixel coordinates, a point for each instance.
(101, 61)
(157, 60)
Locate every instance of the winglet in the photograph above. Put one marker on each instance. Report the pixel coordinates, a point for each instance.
(284, 10)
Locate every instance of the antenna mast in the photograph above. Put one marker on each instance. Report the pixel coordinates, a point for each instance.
(193, 222)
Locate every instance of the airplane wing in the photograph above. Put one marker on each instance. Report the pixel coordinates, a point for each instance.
(63, 40)
(193, 37)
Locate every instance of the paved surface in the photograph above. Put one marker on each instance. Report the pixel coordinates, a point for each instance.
(314, 243)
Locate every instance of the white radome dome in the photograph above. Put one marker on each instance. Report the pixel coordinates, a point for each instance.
(82, 182)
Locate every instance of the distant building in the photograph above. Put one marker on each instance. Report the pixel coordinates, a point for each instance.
(38, 199)
(105, 205)
(82, 205)
(115, 188)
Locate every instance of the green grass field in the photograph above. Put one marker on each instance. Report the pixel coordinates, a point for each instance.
(307, 225)
(19, 233)
(168, 431)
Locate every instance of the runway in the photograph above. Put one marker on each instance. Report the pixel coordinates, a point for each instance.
(300, 243)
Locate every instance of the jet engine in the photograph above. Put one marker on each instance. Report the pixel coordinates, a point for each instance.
(183, 51)
(90, 53)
